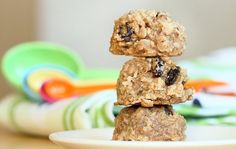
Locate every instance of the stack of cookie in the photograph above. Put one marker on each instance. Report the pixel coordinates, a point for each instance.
(151, 82)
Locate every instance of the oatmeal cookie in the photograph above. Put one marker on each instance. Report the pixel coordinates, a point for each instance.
(159, 123)
(149, 33)
(152, 81)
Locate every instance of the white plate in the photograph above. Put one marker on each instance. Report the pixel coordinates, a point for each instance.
(198, 137)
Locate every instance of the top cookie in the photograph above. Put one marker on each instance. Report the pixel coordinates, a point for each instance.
(147, 33)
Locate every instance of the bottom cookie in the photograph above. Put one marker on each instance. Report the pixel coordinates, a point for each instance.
(159, 123)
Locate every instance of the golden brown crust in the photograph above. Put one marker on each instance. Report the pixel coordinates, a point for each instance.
(158, 123)
(143, 81)
(145, 33)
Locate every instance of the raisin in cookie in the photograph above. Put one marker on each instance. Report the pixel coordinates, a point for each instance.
(152, 81)
(159, 123)
(149, 33)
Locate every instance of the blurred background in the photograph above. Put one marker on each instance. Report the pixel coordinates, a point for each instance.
(86, 26)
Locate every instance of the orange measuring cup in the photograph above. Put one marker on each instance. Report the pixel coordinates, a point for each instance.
(199, 85)
(56, 89)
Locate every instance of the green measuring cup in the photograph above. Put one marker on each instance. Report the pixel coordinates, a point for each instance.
(22, 57)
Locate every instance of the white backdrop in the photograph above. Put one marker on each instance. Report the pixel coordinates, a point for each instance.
(86, 25)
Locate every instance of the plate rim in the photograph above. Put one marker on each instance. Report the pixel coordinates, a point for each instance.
(54, 137)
